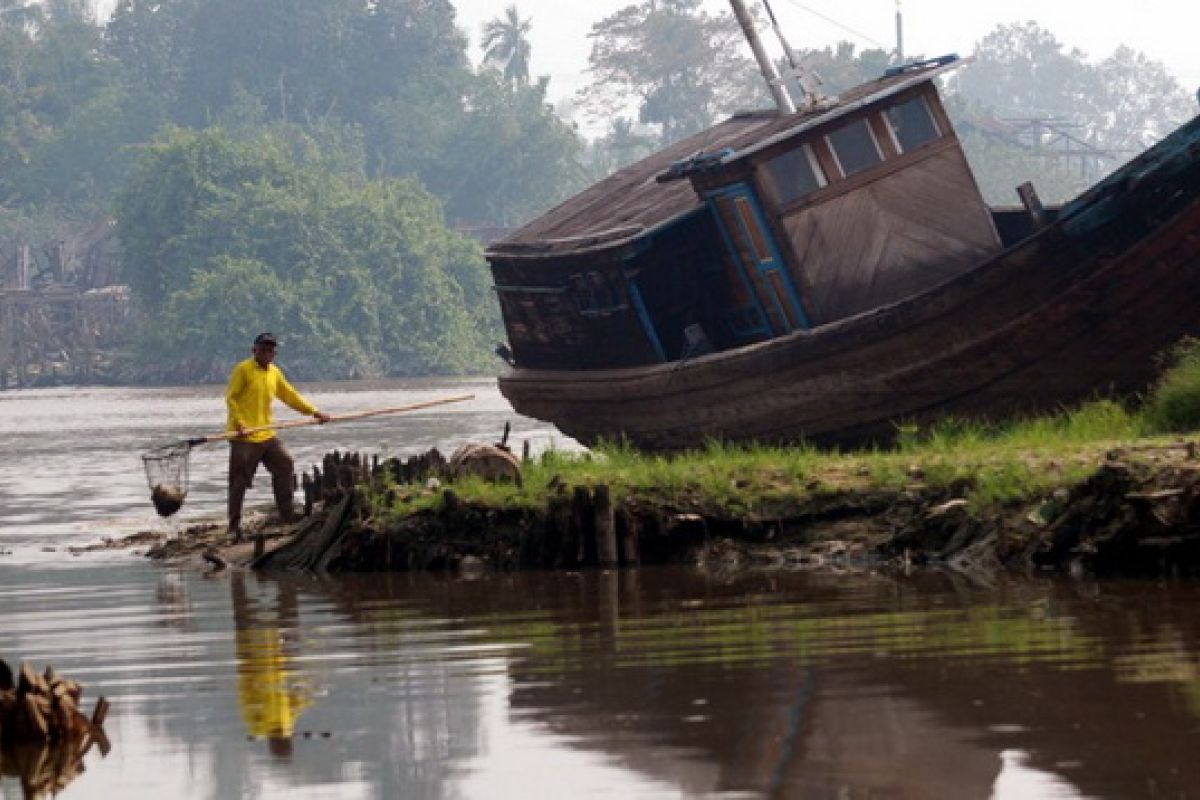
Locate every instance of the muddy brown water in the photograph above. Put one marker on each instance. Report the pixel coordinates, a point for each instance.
(639, 684)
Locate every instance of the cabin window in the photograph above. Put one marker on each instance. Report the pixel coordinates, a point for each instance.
(795, 174)
(854, 147)
(912, 124)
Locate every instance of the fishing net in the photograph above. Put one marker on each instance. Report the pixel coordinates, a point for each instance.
(167, 476)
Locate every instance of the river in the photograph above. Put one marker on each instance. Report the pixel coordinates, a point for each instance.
(663, 682)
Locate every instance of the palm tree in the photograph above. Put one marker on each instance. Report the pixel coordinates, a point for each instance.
(506, 43)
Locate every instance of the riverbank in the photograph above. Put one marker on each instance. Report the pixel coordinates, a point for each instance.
(1099, 507)
(1101, 489)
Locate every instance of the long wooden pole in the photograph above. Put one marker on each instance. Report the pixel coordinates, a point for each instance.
(297, 423)
(783, 101)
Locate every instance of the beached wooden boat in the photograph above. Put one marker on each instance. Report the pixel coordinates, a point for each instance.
(828, 273)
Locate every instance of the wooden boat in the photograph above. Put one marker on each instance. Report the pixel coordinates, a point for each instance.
(825, 274)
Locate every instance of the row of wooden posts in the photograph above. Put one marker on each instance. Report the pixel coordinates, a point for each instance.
(583, 529)
(340, 472)
(582, 526)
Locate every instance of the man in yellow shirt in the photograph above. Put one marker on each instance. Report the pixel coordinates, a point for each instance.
(254, 383)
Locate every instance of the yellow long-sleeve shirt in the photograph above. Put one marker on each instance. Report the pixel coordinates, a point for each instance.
(251, 390)
(270, 703)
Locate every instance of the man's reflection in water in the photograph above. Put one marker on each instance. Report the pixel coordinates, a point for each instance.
(268, 693)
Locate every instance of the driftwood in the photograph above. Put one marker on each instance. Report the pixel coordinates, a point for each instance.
(313, 541)
(43, 734)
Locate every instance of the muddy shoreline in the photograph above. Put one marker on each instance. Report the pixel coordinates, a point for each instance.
(1137, 513)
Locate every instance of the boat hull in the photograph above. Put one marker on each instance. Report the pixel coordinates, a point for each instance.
(1083, 307)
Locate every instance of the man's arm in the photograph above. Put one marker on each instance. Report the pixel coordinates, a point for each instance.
(288, 394)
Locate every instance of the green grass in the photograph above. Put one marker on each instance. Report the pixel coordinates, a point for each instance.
(988, 464)
(1174, 404)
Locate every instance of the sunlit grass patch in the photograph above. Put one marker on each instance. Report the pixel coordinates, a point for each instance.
(989, 464)
(1173, 405)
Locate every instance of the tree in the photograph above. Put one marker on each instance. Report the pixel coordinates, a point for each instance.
(294, 56)
(147, 38)
(56, 77)
(22, 15)
(841, 68)
(506, 44)
(1122, 104)
(222, 237)
(1140, 102)
(495, 153)
(622, 145)
(679, 66)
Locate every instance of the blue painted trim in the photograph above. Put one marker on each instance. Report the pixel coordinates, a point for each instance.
(777, 258)
(777, 263)
(765, 328)
(639, 305)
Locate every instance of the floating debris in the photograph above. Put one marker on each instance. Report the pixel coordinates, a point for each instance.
(43, 734)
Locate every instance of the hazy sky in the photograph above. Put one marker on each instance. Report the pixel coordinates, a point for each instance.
(1165, 30)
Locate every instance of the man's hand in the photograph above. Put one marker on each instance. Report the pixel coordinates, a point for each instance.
(321, 417)
(241, 431)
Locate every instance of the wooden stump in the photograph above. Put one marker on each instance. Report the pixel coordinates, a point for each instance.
(584, 521)
(558, 520)
(627, 535)
(605, 524)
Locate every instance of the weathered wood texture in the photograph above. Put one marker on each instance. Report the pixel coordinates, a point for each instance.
(630, 201)
(60, 333)
(582, 311)
(891, 238)
(1083, 306)
(548, 326)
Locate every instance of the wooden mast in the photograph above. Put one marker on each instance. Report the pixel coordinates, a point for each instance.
(783, 100)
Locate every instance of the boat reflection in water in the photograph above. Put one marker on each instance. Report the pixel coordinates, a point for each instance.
(644, 683)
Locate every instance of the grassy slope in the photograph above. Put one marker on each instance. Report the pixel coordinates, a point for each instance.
(988, 465)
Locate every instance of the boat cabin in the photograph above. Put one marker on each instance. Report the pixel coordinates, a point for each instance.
(763, 226)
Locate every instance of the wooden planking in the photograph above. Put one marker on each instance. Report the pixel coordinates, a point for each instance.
(1042, 324)
(632, 199)
(891, 238)
(1038, 360)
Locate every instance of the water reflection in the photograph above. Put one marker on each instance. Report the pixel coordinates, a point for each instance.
(652, 683)
(71, 472)
(271, 692)
(1018, 781)
(42, 770)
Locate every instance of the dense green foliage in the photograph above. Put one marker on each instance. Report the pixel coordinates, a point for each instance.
(261, 132)
(1174, 405)
(78, 101)
(223, 238)
(285, 166)
(395, 69)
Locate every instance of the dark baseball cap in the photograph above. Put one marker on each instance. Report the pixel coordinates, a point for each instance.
(266, 338)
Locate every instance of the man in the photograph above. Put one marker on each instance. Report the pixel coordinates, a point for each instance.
(254, 383)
